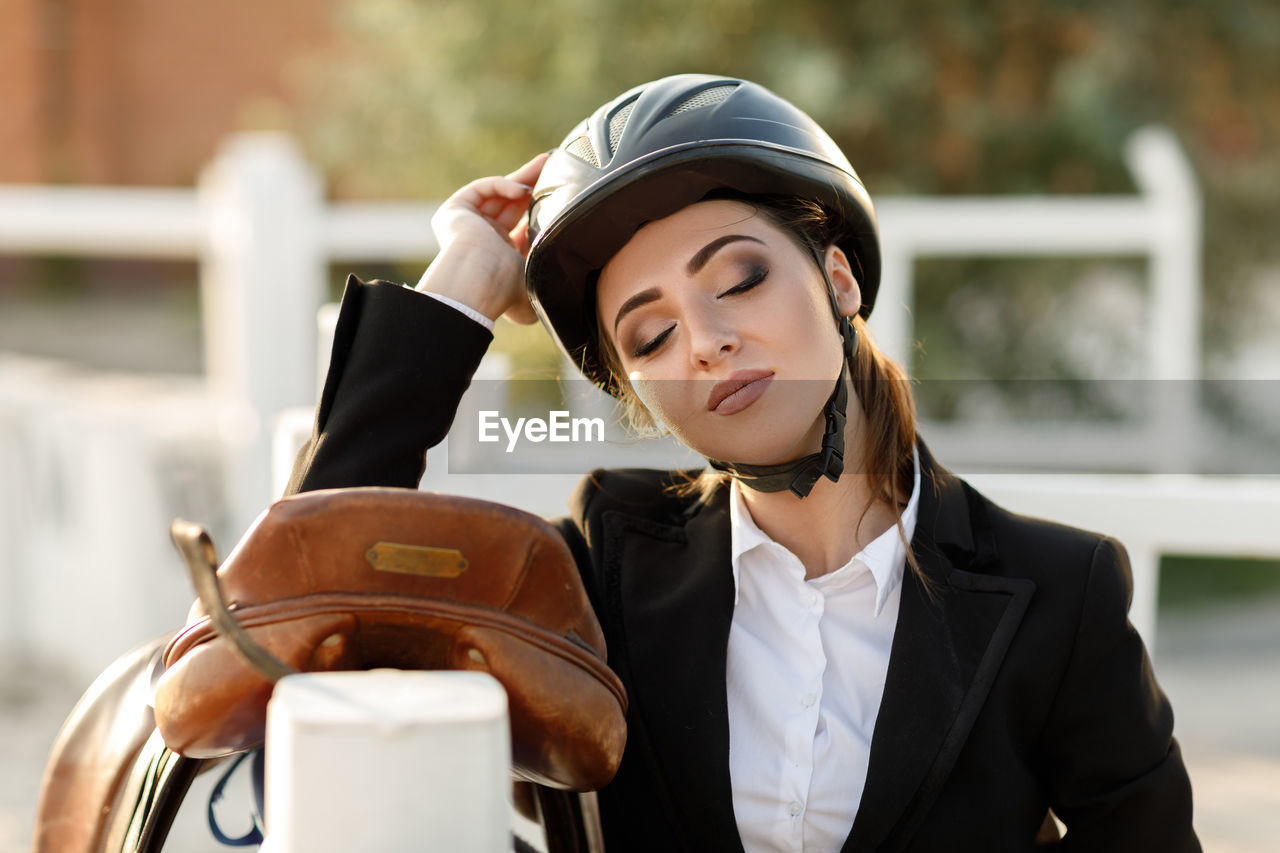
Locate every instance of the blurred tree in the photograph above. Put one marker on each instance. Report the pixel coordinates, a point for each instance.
(927, 96)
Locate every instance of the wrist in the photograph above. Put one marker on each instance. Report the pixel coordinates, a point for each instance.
(471, 276)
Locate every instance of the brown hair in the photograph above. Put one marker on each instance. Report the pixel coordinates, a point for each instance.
(880, 385)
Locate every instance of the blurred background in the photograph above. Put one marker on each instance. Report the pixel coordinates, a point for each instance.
(1079, 204)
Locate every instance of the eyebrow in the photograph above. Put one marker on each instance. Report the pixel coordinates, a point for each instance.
(644, 297)
(696, 263)
(704, 254)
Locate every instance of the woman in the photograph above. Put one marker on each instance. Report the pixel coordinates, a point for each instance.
(800, 677)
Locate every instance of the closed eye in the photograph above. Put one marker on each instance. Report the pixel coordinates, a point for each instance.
(652, 344)
(758, 274)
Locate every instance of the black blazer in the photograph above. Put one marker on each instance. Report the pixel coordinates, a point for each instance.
(1015, 682)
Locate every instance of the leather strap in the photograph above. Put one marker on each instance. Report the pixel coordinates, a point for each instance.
(197, 550)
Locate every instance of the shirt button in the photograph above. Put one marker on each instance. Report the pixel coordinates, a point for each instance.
(813, 599)
(808, 699)
(794, 808)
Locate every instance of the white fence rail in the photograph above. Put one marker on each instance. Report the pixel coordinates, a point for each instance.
(263, 235)
(1162, 223)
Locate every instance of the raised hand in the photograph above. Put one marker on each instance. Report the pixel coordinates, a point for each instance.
(483, 237)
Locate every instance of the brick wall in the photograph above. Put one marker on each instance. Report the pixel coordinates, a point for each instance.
(140, 91)
(20, 122)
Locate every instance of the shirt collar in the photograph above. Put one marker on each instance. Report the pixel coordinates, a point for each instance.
(885, 556)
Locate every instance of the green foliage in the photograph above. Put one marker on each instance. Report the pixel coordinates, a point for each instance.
(1197, 582)
(981, 319)
(926, 97)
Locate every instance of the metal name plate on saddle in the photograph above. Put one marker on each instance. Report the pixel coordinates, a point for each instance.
(364, 578)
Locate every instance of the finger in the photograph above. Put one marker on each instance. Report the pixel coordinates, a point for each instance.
(529, 172)
(476, 193)
(520, 236)
(510, 214)
(504, 217)
(491, 208)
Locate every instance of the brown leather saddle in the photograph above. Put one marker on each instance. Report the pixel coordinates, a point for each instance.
(340, 580)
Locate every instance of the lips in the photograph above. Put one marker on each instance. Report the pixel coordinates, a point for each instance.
(739, 390)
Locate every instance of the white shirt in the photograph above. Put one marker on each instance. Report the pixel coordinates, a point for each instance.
(460, 306)
(806, 669)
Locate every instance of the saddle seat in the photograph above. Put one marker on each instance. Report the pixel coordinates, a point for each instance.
(365, 578)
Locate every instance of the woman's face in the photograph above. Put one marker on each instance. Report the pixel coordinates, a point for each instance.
(722, 324)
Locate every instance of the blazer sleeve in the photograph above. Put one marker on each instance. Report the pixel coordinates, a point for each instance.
(401, 362)
(1115, 772)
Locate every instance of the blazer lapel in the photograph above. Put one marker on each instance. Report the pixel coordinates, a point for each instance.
(947, 648)
(674, 586)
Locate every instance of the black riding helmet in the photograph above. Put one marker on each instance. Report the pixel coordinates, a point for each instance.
(663, 146)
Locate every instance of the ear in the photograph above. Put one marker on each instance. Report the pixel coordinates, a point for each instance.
(845, 283)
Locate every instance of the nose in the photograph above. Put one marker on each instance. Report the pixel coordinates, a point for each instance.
(711, 338)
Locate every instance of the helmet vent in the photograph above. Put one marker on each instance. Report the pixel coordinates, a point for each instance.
(583, 150)
(617, 124)
(705, 98)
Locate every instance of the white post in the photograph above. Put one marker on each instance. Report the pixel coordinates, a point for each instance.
(1144, 563)
(291, 428)
(262, 281)
(1169, 189)
(892, 322)
(326, 326)
(390, 761)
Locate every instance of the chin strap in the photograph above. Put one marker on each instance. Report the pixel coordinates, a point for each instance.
(801, 475)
